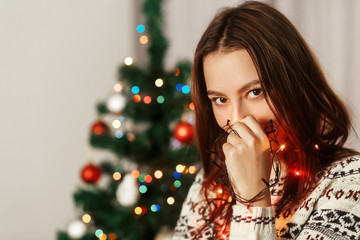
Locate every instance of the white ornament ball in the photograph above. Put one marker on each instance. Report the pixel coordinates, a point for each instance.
(76, 229)
(164, 234)
(116, 103)
(128, 191)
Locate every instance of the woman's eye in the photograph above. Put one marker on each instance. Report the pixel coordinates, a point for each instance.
(255, 93)
(220, 100)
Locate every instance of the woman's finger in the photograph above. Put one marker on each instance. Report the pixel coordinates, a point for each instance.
(254, 126)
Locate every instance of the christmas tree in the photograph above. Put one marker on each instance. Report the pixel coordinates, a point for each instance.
(147, 125)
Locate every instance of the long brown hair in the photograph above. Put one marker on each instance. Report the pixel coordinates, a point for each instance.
(291, 78)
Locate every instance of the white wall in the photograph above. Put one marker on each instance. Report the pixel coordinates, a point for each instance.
(57, 59)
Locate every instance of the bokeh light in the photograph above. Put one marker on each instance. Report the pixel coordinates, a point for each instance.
(103, 237)
(137, 98)
(116, 123)
(158, 174)
(144, 39)
(119, 134)
(160, 99)
(180, 168)
(177, 175)
(170, 200)
(86, 218)
(159, 82)
(148, 179)
(128, 61)
(138, 210)
(135, 174)
(185, 89)
(135, 89)
(192, 106)
(179, 87)
(99, 233)
(143, 189)
(118, 87)
(155, 208)
(177, 183)
(116, 176)
(192, 169)
(147, 99)
(140, 28)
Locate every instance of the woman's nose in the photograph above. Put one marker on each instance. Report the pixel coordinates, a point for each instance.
(239, 112)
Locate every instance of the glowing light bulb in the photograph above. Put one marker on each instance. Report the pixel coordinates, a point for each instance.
(140, 28)
(144, 39)
(119, 134)
(282, 147)
(180, 168)
(297, 173)
(179, 87)
(177, 183)
(147, 99)
(137, 98)
(170, 200)
(135, 89)
(159, 82)
(135, 174)
(177, 175)
(118, 87)
(86, 218)
(155, 208)
(128, 61)
(103, 237)
(143, 189)
(116, 123)
(192, 106)
(148, 178)
(99, 233)
(158, 174)
(138, 210)
(185, 89)
(317, 146)
(117, 176)
(160, 99)
(192, 169)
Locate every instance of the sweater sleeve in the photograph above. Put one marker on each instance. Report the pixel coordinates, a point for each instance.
(253, 223)
(189, 223)
(336, 213)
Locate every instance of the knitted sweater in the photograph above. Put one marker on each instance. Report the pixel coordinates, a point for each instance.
(330, 211)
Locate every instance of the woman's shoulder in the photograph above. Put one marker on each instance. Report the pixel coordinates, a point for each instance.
(343, 167)
(199, 179)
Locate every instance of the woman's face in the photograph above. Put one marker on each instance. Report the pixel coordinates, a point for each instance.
(234, 88)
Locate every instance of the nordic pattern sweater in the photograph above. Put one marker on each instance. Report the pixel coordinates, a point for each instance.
(330, 211)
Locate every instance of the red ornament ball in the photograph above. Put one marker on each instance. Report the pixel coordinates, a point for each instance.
(184, 132)
(90, 173)
(99, 128)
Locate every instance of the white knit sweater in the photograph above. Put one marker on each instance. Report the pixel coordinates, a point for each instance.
(330, 211)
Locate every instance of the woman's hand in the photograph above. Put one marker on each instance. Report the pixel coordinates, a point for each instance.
(247, 158)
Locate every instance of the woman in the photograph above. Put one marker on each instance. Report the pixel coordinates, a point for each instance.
(270, 133)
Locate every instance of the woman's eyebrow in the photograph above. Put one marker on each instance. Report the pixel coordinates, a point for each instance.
(249, 85)
(241, 89)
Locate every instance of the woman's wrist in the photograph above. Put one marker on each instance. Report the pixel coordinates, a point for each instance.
(264, 202)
